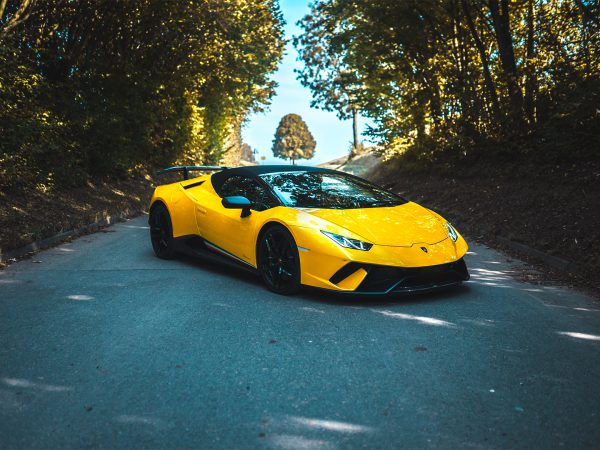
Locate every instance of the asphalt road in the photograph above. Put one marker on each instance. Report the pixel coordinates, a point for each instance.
(103, 345)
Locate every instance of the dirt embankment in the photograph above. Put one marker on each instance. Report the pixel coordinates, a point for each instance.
(552, 208)
(32, 215)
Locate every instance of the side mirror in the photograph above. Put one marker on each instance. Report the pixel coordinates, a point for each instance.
(237, 202)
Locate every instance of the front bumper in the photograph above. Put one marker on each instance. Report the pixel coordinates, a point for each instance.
(383, 269)
(378, 279)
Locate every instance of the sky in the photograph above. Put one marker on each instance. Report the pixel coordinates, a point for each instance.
(333, 136)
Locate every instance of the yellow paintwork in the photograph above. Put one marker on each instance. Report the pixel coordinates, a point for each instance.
(397, 233)
(354, 280)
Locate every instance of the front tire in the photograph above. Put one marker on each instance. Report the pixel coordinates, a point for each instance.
(278, 260)
(161, 232)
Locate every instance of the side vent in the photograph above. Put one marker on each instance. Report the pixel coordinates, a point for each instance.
(197, 183)
(345, 272)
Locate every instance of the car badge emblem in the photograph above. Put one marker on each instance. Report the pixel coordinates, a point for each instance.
(424, 249)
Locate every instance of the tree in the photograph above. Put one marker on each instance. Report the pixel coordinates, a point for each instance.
(447, 74)
(247, 153)
(500, 14)
(293, 140)
(96, 88)
(333, 84)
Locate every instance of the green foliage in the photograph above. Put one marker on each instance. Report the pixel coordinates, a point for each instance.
(96, 88)
(334, 84)
(448, 74)
(292, 139)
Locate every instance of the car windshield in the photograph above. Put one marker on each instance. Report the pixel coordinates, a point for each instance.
(328, 190)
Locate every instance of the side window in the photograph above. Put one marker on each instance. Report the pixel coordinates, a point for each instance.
(249, 188)
(232, 186)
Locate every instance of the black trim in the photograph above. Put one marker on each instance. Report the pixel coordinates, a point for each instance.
(193, 245)
(345, 272)
(197, 183)
(389, 279)
(410, 291)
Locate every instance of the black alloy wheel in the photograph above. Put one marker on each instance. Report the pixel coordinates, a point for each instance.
(161, 232)
(279, 262)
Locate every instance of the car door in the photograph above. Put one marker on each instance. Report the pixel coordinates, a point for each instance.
(228, 230)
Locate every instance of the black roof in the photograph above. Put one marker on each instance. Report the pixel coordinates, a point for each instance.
(259, 170)
(218, 178)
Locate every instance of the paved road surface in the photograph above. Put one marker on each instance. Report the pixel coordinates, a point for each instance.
(105, 346)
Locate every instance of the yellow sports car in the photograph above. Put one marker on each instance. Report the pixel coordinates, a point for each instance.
(307, 226)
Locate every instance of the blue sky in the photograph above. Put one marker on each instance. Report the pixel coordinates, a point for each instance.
(333, 136)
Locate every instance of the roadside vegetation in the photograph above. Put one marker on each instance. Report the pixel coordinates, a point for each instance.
(487, 110)
(457, 75)
(106, 91)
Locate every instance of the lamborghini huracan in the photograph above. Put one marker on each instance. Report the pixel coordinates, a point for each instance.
(306, 226)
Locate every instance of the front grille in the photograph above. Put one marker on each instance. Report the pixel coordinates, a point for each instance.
(404, 279)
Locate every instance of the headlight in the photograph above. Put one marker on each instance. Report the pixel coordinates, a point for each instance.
(452, 234)
(344, 241)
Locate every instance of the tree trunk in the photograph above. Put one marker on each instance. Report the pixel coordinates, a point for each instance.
(470, 117)
(354, 130)
(530, 76)
(487, 75)
(2, 7)
(19, 16)
(435, 105)
(501, 23)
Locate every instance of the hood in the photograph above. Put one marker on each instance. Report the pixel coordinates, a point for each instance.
(399, 226)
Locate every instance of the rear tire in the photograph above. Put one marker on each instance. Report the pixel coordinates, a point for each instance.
(278, 260)
(161, 232)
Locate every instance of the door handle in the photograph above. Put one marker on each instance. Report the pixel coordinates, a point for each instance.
(200, 210)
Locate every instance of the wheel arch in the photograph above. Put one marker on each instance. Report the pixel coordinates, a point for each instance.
(163, 243)
(157, 202)
(269, 224)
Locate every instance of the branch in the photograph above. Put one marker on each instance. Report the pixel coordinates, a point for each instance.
(587, 13)
(2, 8)
(21, 15)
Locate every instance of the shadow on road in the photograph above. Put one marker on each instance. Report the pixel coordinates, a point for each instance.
(222, 268)
(313, 295)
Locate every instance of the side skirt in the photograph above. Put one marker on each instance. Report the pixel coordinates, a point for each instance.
(197, 247)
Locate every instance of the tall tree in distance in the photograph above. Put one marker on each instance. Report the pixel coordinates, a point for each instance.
(293, 140)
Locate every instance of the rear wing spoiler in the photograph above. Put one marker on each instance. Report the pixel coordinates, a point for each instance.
(187, 169)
